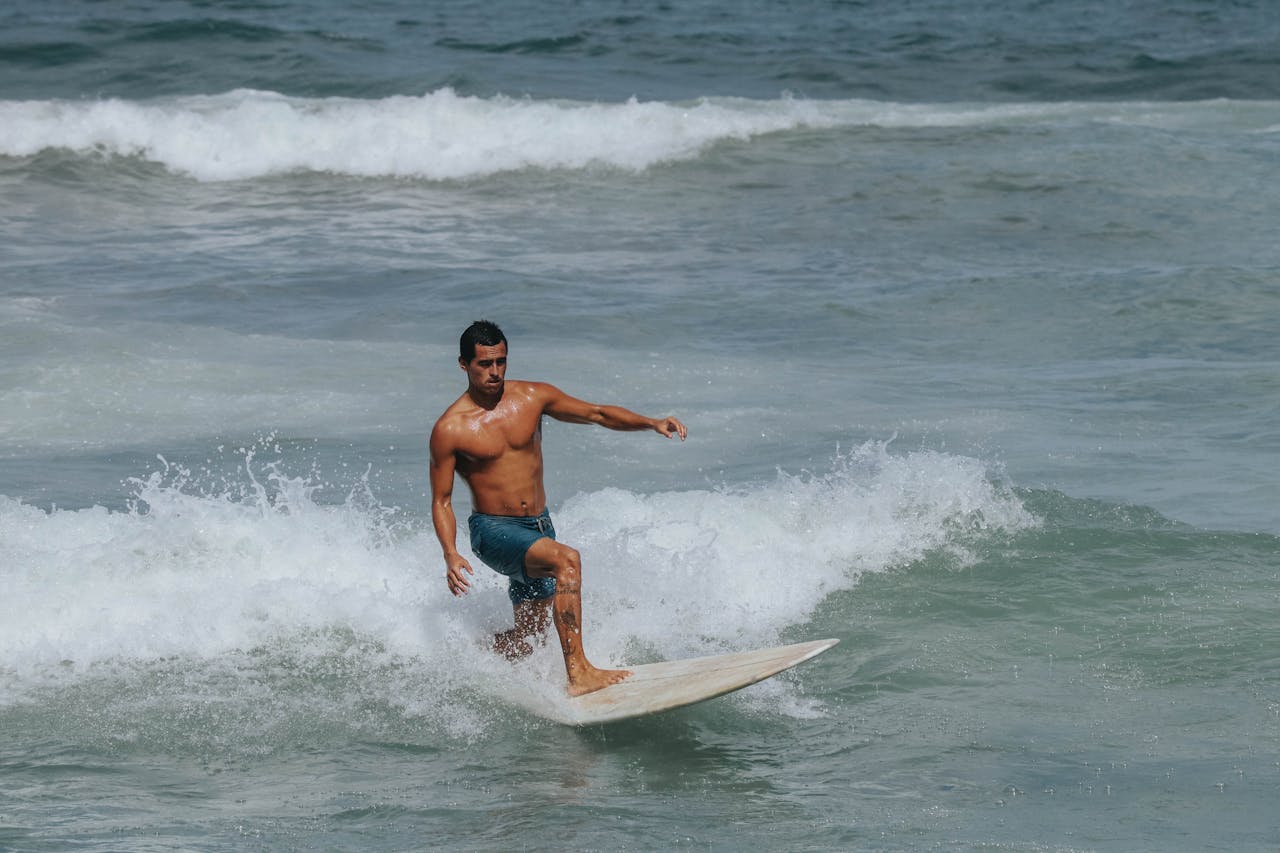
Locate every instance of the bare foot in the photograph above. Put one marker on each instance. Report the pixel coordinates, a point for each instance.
(512, 645)
(591, 679)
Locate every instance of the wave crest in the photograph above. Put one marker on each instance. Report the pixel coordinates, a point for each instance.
(442, 135)
(206, 594)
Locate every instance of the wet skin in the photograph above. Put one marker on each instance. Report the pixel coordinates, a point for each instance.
(491, 436)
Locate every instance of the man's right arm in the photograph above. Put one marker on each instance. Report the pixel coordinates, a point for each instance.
(443, 465)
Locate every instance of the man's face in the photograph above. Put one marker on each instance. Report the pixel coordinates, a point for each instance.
(487, 371)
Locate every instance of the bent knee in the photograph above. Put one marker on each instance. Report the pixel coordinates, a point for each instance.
(568, 565)
(549, 558)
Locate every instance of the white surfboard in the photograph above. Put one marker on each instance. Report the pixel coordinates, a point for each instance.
(655, 687)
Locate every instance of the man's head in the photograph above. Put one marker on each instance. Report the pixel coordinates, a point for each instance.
(481, 332)
(482, 354)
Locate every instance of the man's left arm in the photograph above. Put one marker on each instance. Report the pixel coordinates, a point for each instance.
(562, 407)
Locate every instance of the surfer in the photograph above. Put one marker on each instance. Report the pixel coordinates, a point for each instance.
(492, 437)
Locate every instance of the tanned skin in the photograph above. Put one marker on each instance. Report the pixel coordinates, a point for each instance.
(492, 437)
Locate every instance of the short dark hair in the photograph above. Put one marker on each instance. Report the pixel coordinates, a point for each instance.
(480, 333)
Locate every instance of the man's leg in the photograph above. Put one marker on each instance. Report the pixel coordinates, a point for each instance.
(532, 618)
(548, 558)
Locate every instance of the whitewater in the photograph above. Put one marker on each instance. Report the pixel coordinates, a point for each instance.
(246, 134)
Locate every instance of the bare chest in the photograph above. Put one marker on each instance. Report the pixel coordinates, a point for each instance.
(497, 434)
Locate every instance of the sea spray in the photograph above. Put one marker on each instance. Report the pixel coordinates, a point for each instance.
(226, 591)
(696, 572)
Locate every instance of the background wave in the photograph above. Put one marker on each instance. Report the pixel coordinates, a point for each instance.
(443, 135)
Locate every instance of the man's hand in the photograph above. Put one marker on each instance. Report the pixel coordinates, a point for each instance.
(458, 583)
(670, 427)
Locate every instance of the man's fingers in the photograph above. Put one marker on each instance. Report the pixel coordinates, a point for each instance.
(454, 578)
(671, 427)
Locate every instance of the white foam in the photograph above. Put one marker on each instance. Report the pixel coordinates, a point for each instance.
(765, 557)
(256, 580)
(442, 135)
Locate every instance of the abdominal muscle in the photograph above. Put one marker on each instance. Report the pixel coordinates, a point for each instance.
(508, 485)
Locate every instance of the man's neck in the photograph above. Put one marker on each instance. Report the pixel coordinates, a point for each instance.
(485, 400)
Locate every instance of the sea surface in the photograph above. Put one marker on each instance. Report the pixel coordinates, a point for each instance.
(972, 310)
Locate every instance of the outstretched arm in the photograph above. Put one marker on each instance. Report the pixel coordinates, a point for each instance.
(562, 407)
(443, 465)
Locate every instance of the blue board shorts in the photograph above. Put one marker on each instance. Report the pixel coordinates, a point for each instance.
(501, 541)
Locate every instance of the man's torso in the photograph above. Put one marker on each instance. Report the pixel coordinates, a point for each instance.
(498, 452)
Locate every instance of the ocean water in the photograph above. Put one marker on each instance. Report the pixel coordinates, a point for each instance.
(971, 309)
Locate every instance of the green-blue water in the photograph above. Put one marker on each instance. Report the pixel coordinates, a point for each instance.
(969, 308)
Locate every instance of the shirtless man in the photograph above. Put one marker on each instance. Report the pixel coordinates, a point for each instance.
(492, 436)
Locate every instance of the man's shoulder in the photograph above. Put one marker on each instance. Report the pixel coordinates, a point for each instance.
(527, 391)
(451, 417)
(531, 388)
